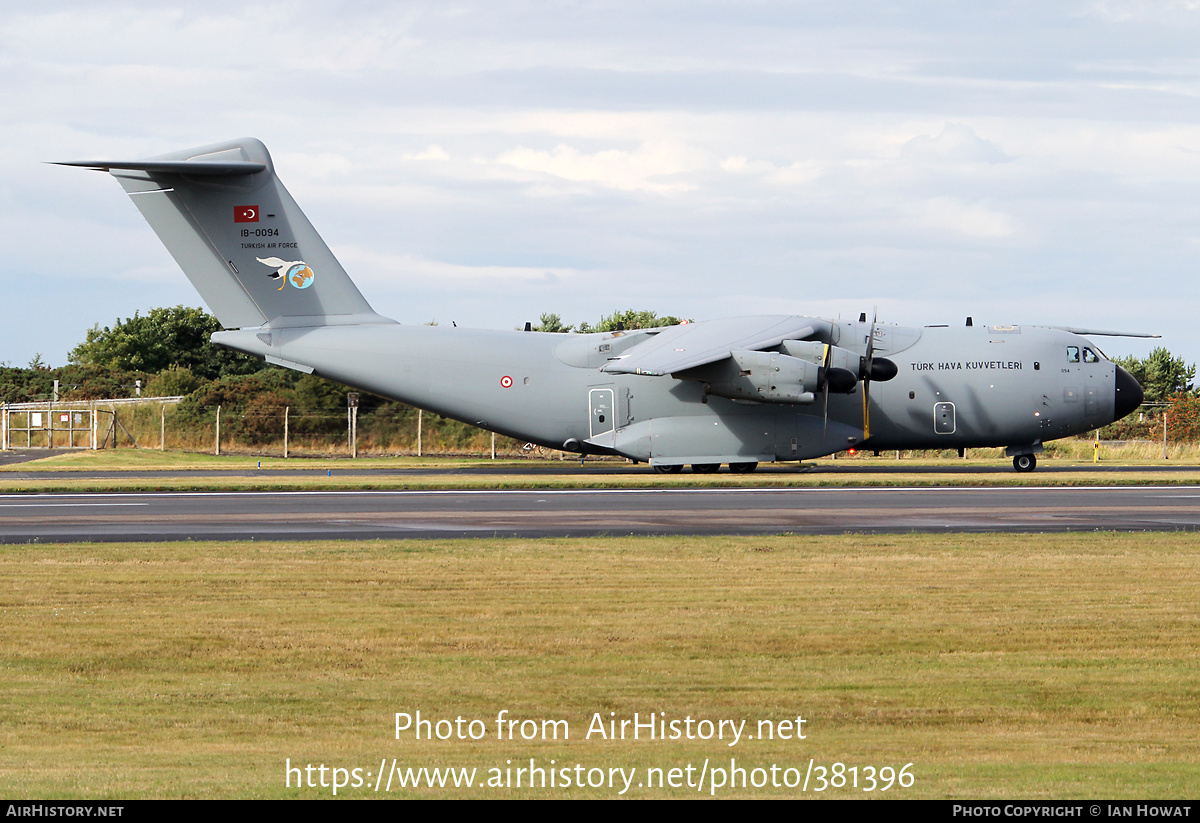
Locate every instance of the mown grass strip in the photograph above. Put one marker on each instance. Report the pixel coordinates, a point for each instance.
(239, 473)
(1022, 666)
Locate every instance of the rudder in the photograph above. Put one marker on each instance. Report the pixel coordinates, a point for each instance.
(240, 238)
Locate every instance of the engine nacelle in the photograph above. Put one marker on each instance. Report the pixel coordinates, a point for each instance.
(843, 367)
(796, 375)
(831, 357)
(764, 376)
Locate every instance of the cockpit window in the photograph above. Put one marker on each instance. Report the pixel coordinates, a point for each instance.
(1072, 354)
(1089, 356)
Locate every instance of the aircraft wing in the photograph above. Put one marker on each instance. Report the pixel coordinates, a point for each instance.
(1102, 332)
(694, 344)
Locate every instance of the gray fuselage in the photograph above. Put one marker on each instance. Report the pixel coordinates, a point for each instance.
(975, 386)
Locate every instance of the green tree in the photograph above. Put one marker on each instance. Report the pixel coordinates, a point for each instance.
(172, 382)
(552, 323)
(19, 385)
(1162, 375)
(630, 319)
(91, 382)
(160, 339)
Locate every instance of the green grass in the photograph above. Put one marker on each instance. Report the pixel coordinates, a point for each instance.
(1038, 666)
(154, 460)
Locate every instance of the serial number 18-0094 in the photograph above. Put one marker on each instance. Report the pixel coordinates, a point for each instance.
(260, 232)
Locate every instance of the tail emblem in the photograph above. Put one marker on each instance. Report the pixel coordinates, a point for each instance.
(296, 272)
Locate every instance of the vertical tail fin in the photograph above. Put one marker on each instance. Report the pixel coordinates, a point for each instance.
(240, 237)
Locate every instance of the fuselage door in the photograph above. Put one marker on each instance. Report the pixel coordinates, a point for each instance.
(943, 418)
(600, 401)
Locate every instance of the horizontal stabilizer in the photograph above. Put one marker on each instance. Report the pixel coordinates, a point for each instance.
(211, 168)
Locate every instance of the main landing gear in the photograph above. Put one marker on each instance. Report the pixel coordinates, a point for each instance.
(1025, 462)
(708, 468)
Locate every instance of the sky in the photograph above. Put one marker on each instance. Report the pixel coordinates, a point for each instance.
(487, 162)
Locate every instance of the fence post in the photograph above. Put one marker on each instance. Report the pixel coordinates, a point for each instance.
(1165, 418)
(217, 449)
(285, 432)
(162, 427)
(418, 432)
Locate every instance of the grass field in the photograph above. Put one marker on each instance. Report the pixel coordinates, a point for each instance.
(1038, 666)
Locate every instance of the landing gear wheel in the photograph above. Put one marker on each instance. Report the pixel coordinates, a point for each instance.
(668, 469)
(742, 468)
(706, 468)
(1025, 462)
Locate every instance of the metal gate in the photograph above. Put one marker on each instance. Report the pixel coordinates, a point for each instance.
(45, 426)
(66, 424)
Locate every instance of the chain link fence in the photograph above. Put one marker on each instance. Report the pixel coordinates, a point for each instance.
(285, 431)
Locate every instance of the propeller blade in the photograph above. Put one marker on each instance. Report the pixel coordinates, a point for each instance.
(868, 369)
(825, 429)
(866, 410)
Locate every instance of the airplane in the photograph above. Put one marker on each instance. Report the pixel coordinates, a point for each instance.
(739, 391)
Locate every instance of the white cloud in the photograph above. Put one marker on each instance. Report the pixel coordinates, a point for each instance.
(956, 143)
(389, 271)
(433, 152)
(656, 166)
(969, 219)
(1138, 11)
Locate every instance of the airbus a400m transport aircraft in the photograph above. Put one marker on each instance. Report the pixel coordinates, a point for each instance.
(739, 391)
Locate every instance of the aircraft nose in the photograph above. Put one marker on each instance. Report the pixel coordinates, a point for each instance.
(1129, 394)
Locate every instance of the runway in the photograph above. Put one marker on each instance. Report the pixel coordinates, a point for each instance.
(362, 515)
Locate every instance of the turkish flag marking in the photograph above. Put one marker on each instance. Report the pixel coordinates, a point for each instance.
(245, 214)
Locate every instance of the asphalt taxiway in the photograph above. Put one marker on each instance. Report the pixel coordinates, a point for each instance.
(311, 515)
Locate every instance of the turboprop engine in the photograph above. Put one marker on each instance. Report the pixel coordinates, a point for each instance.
(795, 375)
